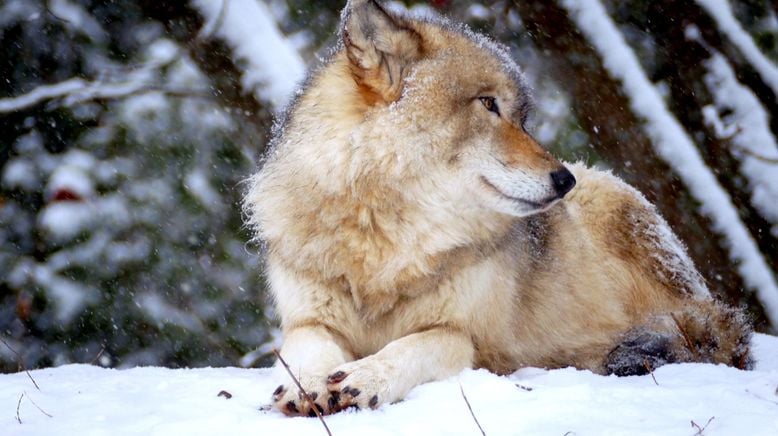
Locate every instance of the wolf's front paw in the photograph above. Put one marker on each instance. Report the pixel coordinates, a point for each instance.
(362, 384)
(288, 398)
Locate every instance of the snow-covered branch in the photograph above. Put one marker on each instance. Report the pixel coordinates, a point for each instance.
(77, 90)
(272, 67)
(721, 11)
(74, 91)
(673, 144)
(40, 94)
(77, 19)
(748, 126)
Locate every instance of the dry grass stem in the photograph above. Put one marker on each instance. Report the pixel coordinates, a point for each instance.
(650, 370)
(305, 394)
(102, 350)
(21, 364)
(37, 406)
(761, 397)
(701, 429)
(18, 405)
(461, 389)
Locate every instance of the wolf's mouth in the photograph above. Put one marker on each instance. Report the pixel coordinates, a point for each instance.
(534, 204)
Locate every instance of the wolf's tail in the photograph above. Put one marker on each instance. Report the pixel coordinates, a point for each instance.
(703, 331)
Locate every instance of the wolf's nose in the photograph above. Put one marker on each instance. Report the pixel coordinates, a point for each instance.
(563, 181)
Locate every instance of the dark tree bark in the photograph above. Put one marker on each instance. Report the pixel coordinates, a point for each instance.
(618, 137)
(683, 67)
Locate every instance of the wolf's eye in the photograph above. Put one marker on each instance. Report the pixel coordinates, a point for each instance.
(490, 104)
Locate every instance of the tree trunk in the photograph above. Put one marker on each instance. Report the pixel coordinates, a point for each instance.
(683, 68)
(618, 137)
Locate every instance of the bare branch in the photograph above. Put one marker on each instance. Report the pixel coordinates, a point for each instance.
(731, 136)
(305, 394)
(461, 389)
(757, 156)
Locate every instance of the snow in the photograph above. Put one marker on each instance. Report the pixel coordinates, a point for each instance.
(749, 127)
(89, 400)
(72, 178)
(14, 10)
(479, 12)
(78, 19)
(66, 219)
(20, 173)
(674, 146)
(73, 91)
(69, 297)
(197, 184)
(721, 11)
(272, 67)
(159, 311)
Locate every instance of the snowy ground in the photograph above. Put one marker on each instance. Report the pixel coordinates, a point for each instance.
(88, 400)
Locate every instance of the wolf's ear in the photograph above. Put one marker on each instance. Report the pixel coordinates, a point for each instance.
(380, 47)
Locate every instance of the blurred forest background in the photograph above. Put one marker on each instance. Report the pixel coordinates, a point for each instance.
(127, 126)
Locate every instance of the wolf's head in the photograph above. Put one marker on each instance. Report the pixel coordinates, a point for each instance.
(458, 98)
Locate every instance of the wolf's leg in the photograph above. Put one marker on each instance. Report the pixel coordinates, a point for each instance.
(311, 352)
(703, 331)
(388, 375)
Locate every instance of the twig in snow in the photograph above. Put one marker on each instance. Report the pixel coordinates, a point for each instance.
(37, 406)
(305, 394)
(763, 398)
(701, 429)
(461, 389)
(524, 388)
(18, 405)
(650, 370)
(21, 363)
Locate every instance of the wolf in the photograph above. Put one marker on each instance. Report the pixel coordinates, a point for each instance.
(413, 228)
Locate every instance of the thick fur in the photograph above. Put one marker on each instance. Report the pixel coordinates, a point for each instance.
(413, 229)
